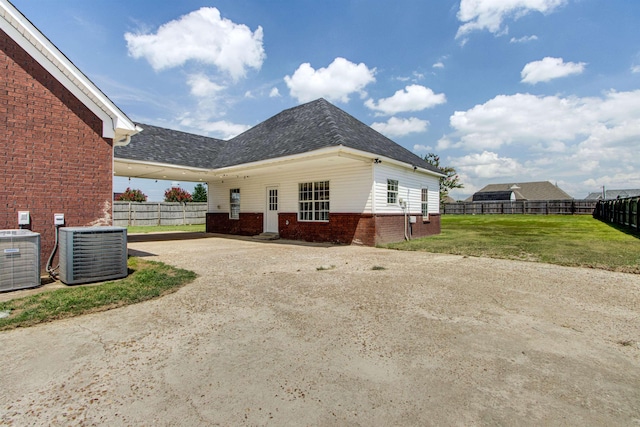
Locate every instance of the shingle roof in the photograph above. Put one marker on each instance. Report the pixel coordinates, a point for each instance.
(312, 126)
(490, 196)
(541, 190)
(307, 127)
(614, 194)
(160, 145)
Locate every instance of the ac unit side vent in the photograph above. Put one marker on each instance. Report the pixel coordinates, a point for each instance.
(92, 254)
(19, 259)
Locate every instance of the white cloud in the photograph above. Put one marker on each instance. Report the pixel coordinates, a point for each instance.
(202, 86)
(490, 14)
(411, 98)
(414, 77)
(335, 83)
(635, 69)
(275, 93)
(525, 118)
(396, 127)
(201, 36)
(438, 64)
(567, 138)
(548, 69)
(221, 129)
(419, 148)
(524, 39)
(620, 181)
(486, 165)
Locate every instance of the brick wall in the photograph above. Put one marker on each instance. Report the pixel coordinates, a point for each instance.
(345, 228)
(390, 228)
(52, 155)
(249, 224)
(341, 228)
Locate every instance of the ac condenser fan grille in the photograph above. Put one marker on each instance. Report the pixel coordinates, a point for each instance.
(92, 254)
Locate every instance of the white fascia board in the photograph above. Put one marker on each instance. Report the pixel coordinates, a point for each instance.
(323, 152)
(160, 165)
(115, 124)
(389, 160)
(340, 151)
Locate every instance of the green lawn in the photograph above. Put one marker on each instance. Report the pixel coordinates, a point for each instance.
(147, 280)
(557, 239)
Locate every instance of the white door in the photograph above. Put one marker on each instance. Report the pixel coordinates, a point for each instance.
(271, 216)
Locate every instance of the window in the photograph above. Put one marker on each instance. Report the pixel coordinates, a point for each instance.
(313, 201)
(234, 203)
(392, 191)
(425, 203)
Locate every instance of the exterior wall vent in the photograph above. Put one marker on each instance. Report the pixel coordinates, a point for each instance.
(92, 254)
(19, 259)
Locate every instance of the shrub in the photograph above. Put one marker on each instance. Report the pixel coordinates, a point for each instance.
(130, 195)
(177, 194)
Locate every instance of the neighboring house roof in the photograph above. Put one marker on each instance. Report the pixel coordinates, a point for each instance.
(542, 190)
(614, 194)
(115, 124)
(308, 127)
(448, 199)
(492, 196)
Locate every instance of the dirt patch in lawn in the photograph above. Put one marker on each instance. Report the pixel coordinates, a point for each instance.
(269, 335)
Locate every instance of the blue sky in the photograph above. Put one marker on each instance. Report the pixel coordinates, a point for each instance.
(503, 90)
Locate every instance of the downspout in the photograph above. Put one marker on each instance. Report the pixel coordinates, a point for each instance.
(408, 212)
(404, 210)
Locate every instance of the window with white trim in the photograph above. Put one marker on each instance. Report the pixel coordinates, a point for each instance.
(234, 203)
(313, 201)
(392, 191)
(425, 202)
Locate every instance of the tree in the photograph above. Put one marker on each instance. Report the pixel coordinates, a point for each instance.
(177, 194)
(448, 182)
(199, 193)
(130, 195)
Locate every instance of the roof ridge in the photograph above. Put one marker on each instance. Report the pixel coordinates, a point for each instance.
(329, 114)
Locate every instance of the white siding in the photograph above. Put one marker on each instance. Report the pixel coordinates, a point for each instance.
(350, 184)
(410, 185)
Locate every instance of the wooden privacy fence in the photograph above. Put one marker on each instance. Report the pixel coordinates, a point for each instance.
(619, 211)
(163, 213)
(531, 207)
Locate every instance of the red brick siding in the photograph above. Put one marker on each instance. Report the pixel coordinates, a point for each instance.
(249, 224)
(390, 228)
(52, 155)
(343, 228)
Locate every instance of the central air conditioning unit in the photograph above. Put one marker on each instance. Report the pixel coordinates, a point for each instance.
(19, 259)
(92, 254)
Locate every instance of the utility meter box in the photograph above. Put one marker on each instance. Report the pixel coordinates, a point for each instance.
(23, 218)
(58, 219)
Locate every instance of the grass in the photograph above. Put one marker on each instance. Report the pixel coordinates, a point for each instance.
(147, 280)
(557, 239)
(165, 228)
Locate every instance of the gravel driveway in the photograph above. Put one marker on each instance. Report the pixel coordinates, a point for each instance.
(277, 333)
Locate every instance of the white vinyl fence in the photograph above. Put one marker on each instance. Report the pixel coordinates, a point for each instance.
(163, 213)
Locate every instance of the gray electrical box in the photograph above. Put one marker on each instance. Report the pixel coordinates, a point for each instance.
(19, 259)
